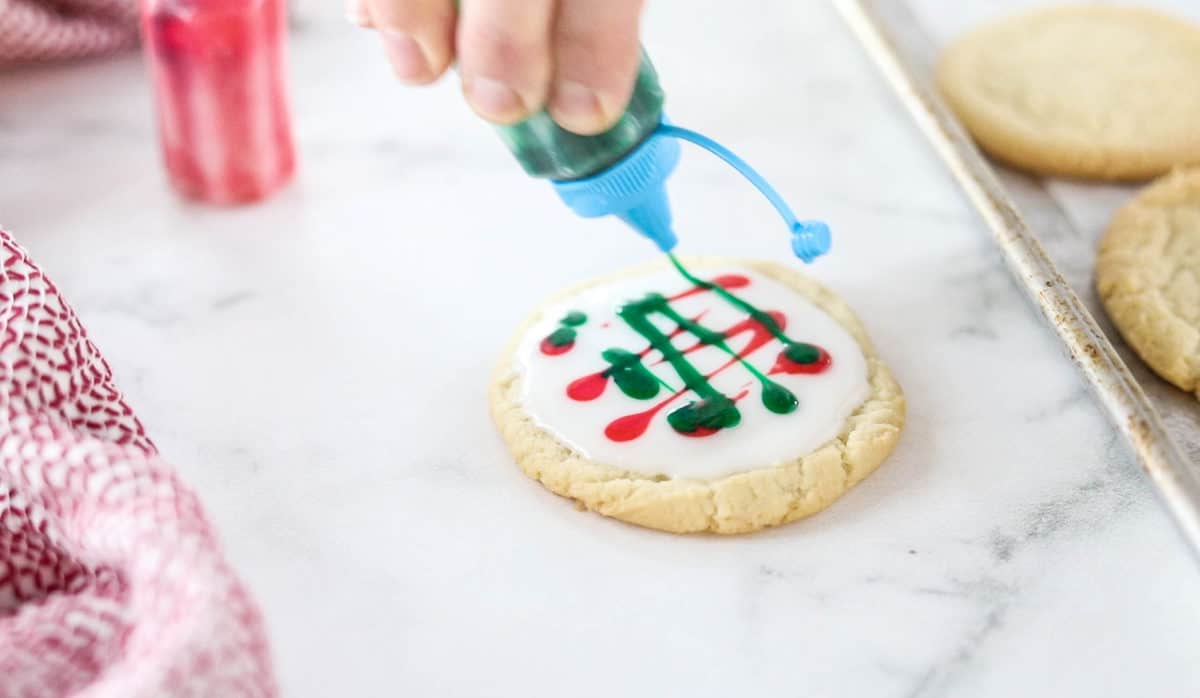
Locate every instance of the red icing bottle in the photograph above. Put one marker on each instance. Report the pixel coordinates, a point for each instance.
(218, 72)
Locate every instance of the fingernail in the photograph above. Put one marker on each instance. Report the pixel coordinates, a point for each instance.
(578, 108)
(494, 100)
(406, 56)
(357, 14)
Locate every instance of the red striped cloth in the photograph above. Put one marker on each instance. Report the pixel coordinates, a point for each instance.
(33, 30)
(112, 583)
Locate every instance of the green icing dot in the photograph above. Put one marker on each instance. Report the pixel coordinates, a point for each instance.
(714, 413)
(802, 353)
(630, 374)
(561, 337)
(778, 399)
(575, 318)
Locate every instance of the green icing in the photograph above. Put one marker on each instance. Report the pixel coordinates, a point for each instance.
(714, 410)
(713, 413)
(637, 316)
(777, 398)
(631, 375)
(802, 353)
(575, 318)
(764, 319)
(562, 336)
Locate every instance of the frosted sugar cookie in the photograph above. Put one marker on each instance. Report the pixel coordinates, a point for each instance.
(743, 396)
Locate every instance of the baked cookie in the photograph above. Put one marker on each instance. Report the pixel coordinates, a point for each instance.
(742, 397)
(1090, 91)
(1148, 275)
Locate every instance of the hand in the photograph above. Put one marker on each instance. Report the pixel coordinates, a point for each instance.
(578, 58)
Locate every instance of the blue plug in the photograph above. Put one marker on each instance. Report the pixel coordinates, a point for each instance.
(810, 239)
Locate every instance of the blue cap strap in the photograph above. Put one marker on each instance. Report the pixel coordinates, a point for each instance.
(810, 239)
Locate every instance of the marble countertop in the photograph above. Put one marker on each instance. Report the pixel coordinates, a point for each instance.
(316, 367)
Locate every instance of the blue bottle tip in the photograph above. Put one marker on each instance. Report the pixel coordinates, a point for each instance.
(652, 218)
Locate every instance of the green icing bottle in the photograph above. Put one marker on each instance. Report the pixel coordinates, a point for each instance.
(548, 151)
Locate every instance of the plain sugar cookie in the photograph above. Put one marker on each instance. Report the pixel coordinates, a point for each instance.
(742, 397)
(1092, 91)
(1148, 275)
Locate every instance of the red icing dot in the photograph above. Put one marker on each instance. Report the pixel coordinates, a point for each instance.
(630, 426)
(587, 388)
(728, 281)
(551, 349)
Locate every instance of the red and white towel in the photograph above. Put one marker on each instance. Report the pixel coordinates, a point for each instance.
(32, 30)
(112, 583)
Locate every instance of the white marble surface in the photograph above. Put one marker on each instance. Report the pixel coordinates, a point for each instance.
(316, 368)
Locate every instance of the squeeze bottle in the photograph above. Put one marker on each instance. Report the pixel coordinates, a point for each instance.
(623, 171)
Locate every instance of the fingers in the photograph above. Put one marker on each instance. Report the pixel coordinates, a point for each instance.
(512, 54)
(596, 58)
(418, 35)
(504, 56)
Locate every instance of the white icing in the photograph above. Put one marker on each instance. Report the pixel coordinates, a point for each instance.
(761, 439)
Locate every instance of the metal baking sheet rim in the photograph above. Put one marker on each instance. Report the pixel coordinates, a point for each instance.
(883, 27)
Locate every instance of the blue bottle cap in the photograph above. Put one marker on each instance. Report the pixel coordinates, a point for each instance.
(633, 188)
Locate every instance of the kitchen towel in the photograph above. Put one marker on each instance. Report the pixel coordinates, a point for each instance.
(32, 30)
(112, 582)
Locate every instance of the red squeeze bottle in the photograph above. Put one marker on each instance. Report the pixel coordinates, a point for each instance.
(218, 73)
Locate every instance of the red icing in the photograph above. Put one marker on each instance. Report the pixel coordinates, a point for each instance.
(592, 385)
(631, 426)
(219, 76)
(589, 387)
(785, 365)
(551, 349)
(760, 337)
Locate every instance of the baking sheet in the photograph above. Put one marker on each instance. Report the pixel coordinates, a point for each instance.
(1053, 262)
